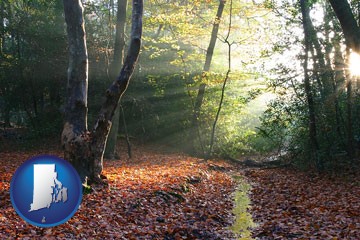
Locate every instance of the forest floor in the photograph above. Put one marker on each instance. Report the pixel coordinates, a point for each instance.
(167, 195)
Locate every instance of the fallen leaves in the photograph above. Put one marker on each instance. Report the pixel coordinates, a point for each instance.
(288, 204)
(152, 196)
(174, 196)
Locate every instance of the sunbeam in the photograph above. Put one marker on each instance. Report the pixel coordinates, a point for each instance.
(354, 65)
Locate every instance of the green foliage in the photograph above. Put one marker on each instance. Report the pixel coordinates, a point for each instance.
(159, 102)
(32, 63)
(286, 121)
(87, 189)
(243, 104)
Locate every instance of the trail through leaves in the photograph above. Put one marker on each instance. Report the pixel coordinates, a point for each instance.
(173, 196)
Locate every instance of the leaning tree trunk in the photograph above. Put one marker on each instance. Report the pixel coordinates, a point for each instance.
(110, 150)
(206, 69)
(83, 148)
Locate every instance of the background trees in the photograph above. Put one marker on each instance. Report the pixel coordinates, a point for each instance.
(272, 63)
(32, 48)
(330, 117)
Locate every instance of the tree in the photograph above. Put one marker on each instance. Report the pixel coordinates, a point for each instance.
(2, 26)
(206, 69)
(226, 40)
(84, 148)
(351, 31)
(316, 104)
(119, 45)
(304, 4)
(33, 44)
(348, 23)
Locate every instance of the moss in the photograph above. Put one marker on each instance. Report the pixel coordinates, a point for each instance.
(243, 219)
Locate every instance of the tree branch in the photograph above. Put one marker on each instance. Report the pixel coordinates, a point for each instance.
(117, 88)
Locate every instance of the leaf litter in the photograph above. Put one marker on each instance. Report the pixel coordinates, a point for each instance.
(173, 196)
(151, 196)
(288, 204)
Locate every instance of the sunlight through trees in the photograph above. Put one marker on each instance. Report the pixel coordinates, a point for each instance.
(354, 66)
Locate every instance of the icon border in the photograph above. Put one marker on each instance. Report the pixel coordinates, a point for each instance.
(31, 161)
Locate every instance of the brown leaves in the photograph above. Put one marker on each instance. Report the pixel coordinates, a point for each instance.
(152, 196)
(292, 205)
(173, 196)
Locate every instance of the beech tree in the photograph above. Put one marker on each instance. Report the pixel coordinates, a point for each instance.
(82, 147)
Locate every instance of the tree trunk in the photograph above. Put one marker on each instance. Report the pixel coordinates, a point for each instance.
(348, 23)
(209, 55)
(214, 34)
(212, 138)
(339, 78)
(349, 109)
(320, 68)
(358, 7)
(82, 148)
(7, 116)
(349, 122)
(110, 151)
(75, 135)
(309, 96)
(2, 28)
(329, 16)
(159, 31)
(127, 138)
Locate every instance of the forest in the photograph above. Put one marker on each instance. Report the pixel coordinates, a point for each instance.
(187, 119)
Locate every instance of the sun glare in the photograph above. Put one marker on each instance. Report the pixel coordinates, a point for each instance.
(354, 65)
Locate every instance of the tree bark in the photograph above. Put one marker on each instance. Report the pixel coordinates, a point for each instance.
(358, 7)
(214, 34)
(111, 142)
(348, 23)
(110, 150)
(75, 131)
(82, 148)
(308, 92)
(2, 26)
